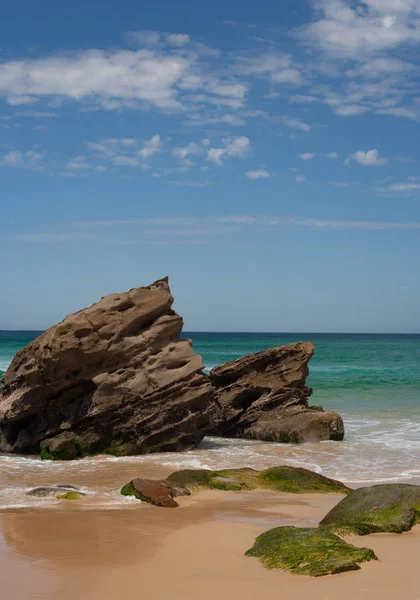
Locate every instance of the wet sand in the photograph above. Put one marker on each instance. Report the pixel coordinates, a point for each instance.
(195, 551)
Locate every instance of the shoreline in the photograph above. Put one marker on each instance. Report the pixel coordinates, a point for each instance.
(194, 551)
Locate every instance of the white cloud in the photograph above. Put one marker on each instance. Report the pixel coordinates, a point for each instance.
(295, 123)
(279, 68)
(145, 38)
(79, 162)
(123, 77)
(404, 187)
(300, 179)
(125, 161)
(177, 39)
(30, 159)
(161, 73)
(234, 147)
(332, 155)
(369, 158)
(258, 174)
(182, 152)
(237, 223)
(351, 30)
(215, 155)
(350, 110)
(302, 99)
(307, 155)
(19, 100)
(152, 146)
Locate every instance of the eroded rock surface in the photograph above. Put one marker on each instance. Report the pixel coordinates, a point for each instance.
(117, 378)
(264, 396)
(114, 377)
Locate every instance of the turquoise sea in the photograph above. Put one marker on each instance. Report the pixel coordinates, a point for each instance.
(373, 381)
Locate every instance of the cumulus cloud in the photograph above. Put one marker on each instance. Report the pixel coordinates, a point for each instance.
(152, 146)
(258, 174)
(370, 158)
(300, 179)
(308, 155)
(161, 73)
(366, 28)
(234, 147)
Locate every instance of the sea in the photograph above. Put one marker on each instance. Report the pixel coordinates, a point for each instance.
(373, 381)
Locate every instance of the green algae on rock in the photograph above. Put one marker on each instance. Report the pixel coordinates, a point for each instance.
(65, 446)
(71, 496)
(282, 479)
(391, 508)
(308, 551)
(54, 490)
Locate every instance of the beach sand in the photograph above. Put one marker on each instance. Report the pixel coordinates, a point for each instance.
(195, 552)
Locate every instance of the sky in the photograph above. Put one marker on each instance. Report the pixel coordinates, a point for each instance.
(263, 155)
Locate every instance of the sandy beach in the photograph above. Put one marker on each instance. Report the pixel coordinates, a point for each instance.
(194, 551)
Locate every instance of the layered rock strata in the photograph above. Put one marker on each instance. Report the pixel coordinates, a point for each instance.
(117, 377)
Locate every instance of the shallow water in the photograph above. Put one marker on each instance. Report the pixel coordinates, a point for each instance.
(372, 381)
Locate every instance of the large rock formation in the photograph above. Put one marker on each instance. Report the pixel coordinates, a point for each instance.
(117, 378)
(263, 396)
(114, 377)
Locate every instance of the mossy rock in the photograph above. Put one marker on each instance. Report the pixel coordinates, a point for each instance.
(282, 479)
(64, 446)
(128, 490)
(158, 493)
(296, 480)
(119, 449)
(49, 491)
(71, 496)
(308, 551)
(391, 508)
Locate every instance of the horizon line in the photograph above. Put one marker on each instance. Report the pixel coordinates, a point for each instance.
(253, 332)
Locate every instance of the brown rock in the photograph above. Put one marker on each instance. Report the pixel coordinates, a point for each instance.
(64, 446)
(115, 376)
(151, 491)
(263, 396)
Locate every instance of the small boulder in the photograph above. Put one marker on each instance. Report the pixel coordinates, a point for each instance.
(307, 551)
(64, 446)
(157, 493)
(54, 491)
(294, 480)
(392, 508)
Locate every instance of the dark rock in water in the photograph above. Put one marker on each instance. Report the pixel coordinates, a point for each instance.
(307, 551)
(64, 446)
(115, 376)
(392, 508)
(157, 493)
(44, 492)
(263, 396)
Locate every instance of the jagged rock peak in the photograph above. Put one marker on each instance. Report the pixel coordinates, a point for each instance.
(116, 375)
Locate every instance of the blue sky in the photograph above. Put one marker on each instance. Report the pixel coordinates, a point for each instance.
(263, 155)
